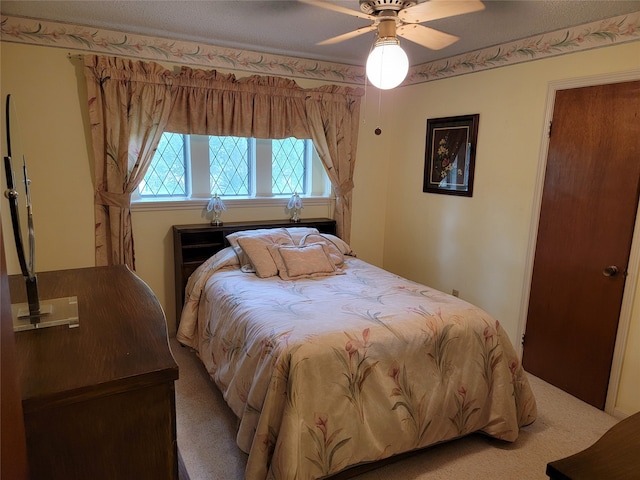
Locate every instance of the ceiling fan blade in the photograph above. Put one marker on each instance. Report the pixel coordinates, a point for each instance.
(425, 36)
(348, 36)
(435, 9)
(338, 8)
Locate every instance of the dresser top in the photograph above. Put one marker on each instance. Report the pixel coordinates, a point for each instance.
(121, 341)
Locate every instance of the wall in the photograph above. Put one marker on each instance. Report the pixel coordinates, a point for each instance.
(53, 129)
(477, 245)
(49, 90)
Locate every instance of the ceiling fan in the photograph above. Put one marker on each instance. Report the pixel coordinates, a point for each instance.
(393, 18)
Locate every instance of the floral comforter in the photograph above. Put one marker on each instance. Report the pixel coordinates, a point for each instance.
(330, 372)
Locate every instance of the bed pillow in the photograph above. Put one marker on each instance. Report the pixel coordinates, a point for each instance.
(343, 246)
(243, 258)
(256, 249)
(332, 251)
(302, 261)
(298, 233)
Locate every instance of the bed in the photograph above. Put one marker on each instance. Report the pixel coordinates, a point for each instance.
(329, 362)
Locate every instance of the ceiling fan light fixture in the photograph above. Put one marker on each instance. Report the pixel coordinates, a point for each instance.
(387, 64)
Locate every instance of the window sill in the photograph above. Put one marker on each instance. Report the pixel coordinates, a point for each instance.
(200, 203)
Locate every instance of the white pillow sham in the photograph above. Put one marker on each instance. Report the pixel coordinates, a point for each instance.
(252, 247)
(343, 246)
(302, 261)
(332, 251)
(245, 262)
(255, 247)
(298, 233)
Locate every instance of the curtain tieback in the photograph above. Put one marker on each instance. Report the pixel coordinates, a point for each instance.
(111, 199)
(344, 188)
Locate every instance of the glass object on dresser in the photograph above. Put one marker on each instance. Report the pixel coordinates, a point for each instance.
(33, 313)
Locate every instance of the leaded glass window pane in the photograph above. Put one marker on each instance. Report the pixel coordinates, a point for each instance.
(229, 166)
(167, 172)
(288, 166)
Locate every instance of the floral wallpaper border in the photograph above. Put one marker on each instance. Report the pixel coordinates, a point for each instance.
(621, 29)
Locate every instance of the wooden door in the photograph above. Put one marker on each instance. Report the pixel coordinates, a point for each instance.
(586, 224)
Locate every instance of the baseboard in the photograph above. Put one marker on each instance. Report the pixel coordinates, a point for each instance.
(620, 414)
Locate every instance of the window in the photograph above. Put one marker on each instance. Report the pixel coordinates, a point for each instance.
(288, 161)
(196, 166)
(167, 174)
(229, 165)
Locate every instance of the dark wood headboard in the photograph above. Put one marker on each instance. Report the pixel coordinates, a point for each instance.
(193, 244)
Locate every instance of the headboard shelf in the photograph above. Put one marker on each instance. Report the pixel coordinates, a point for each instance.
(195, 243)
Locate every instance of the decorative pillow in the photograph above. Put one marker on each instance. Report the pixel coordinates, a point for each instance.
(302, 261)
(256, 248)
(344, 247)
(298, 233)
(332, 251)
(243, 258)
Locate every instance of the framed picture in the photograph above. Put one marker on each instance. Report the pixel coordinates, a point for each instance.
(450, 155)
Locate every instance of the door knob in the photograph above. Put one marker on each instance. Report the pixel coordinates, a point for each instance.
(610, 271)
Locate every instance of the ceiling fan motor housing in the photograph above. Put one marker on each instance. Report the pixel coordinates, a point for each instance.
(370, 7)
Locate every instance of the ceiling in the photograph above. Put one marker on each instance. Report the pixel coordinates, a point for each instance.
(293, 28)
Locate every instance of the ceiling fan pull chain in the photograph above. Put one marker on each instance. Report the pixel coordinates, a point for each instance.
(378, 130)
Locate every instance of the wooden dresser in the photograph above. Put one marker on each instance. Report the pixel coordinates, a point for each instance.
(99, 399)
(615, 456)
(193, 244)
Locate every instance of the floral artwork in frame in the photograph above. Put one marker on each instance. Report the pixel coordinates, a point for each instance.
(450, 155)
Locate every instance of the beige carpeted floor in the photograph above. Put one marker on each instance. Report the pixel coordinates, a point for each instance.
(565, 425)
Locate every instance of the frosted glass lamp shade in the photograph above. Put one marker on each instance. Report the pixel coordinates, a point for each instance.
(293, 207)
(217, 206)
(387, 65)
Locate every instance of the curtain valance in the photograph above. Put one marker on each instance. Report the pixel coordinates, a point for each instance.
(210, 103)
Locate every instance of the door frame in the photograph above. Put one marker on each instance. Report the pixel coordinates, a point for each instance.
(633, 268)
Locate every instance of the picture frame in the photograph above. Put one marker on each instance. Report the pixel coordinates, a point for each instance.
(450, 155)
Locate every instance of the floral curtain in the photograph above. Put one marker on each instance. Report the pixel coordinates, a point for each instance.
(193, 101)
(129, 104)
(333, 123)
